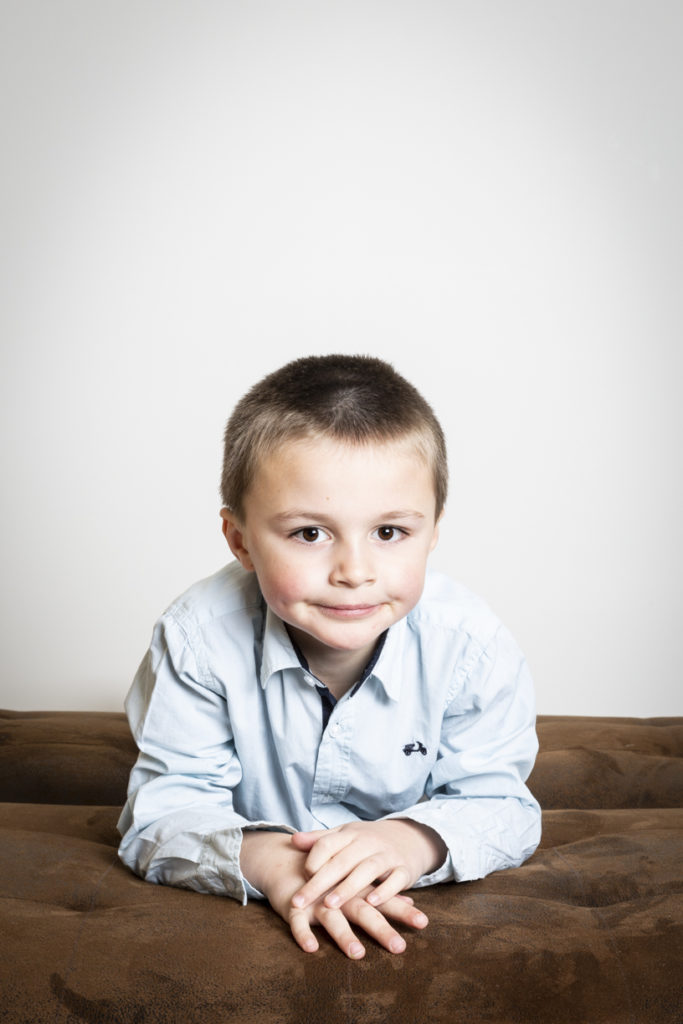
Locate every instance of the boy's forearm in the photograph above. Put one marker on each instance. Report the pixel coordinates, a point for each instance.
(430, 851)
(264, 855)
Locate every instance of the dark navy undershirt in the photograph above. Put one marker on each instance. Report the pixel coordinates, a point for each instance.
(327, 699)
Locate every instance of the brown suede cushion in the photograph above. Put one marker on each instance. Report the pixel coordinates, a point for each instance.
(608, 762)
(85, 758)
(589, 931)
(65, 757)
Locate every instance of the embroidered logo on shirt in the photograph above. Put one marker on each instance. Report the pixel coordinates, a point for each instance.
(411, 748)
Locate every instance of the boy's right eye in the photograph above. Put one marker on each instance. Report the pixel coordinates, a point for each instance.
(310, 534)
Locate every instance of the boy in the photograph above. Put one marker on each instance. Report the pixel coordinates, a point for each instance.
(317, 725)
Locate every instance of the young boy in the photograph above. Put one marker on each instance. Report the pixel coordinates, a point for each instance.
(317, 725)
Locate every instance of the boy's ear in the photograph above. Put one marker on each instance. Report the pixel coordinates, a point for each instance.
(233, 532)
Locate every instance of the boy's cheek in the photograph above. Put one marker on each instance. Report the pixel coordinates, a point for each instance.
(409, 583)
(284, 588)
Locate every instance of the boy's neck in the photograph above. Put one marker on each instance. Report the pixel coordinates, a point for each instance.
(338, 670)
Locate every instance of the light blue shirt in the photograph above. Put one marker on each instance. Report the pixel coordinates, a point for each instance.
(229, 727)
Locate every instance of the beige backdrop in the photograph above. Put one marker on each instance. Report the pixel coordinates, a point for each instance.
(486, 194)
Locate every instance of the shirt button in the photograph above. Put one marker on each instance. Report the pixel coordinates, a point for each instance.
(334, 730)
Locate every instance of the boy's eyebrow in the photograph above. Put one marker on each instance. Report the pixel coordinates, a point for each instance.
(292, 514)
(403, 513)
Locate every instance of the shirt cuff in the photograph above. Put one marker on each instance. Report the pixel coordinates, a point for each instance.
(481, 836)
(221, 860)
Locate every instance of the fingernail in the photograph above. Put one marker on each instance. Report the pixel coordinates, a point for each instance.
(373, 898)
(297, 901)
(397, 945)
(333, 900)
(310, 946)
(420, 920)
(356, 950)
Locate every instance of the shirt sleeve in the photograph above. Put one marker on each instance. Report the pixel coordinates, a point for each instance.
(477, 800)
(179, 825)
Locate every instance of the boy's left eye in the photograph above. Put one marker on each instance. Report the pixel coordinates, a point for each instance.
(389, 533)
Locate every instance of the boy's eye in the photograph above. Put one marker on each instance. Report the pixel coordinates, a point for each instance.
(310, 534)
(389, 533)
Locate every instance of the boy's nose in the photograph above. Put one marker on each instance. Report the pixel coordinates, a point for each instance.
(352, 567)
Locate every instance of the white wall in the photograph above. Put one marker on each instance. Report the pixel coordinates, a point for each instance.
(487, 194)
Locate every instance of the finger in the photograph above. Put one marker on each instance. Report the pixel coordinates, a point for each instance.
(305, 840)
(344, 868)
(332, 870)
(325, 847)
(303, 935)
(338, 928)
(364, 875)
(389, 887)
(375, 924)
(405, 913)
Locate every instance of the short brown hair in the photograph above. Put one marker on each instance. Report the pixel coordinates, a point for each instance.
(354, 399)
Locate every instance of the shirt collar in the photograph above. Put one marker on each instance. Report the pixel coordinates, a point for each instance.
(389, 668)
(278, 654)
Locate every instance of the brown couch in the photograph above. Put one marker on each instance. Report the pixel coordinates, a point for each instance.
(588, 931)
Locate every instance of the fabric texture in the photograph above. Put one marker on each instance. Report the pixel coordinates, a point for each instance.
(228, 722)
(588, 931)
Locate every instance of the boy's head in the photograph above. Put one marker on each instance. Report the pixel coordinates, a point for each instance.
(351, 399)
(334, 480)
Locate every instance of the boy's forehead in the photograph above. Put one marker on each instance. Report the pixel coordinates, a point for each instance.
(330, 450)
(399, 465)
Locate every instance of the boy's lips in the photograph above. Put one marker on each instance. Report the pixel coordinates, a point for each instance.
(348, 611)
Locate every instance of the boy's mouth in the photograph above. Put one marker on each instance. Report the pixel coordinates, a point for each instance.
(348, 611)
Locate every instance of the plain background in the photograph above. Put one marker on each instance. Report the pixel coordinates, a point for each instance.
(486, 194)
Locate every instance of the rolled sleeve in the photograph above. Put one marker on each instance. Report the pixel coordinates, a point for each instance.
(179, 826)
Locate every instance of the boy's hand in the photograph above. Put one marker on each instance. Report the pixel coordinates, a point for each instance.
(273, 865)
(347, 861)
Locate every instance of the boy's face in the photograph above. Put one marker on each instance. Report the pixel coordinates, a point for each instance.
(338, 536)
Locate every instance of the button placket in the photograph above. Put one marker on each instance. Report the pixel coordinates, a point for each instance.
(331, 777)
